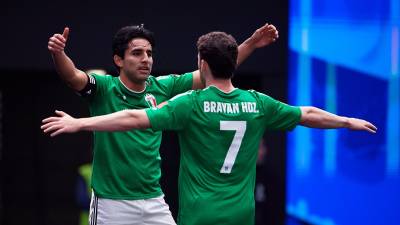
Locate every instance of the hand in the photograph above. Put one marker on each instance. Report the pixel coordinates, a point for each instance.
(263, 36)
(58, 41)
(63, 123)
(358, 124)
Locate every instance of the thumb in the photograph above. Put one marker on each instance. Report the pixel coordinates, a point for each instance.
(66, 33)
(61, 113)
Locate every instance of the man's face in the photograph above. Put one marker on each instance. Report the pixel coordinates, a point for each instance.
(138, 60)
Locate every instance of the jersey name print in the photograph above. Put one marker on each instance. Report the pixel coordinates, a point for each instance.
(230, 108)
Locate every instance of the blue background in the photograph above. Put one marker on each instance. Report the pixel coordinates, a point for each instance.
(344, 58)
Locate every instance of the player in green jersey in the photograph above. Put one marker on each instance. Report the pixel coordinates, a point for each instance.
(219, 131)
(126, 165)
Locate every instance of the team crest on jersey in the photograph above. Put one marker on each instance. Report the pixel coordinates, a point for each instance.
(151, 100)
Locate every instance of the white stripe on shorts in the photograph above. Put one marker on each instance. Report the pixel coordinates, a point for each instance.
(93, 210)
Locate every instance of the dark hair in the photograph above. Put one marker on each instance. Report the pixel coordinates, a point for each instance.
(126, 34)
(220, 51)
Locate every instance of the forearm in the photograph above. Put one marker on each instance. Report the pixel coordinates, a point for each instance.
(318, 118)
(244, 51)
(118, 121)
(73, 77)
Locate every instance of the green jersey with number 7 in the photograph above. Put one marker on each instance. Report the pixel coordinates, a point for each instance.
(219, 134)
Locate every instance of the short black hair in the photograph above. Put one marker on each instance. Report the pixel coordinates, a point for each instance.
(220, 51)
(126, 34)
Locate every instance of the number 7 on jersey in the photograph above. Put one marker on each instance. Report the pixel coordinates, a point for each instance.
(240, 128)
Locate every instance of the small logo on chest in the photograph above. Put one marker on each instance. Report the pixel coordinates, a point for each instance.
(151, 100)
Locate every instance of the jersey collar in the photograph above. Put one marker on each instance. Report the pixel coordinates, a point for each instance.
(130, 91)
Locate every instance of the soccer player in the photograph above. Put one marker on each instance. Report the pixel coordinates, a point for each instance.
(126, 165)
(219, 131)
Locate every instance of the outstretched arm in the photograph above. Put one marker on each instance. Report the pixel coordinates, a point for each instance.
(262, 37)
(318, 118)
(118, 121)
(73, 77)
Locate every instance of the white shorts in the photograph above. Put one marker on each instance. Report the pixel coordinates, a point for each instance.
(153, 211)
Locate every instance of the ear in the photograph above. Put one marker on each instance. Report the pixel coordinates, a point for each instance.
(118, 60)
(204, 65)
(198, 61)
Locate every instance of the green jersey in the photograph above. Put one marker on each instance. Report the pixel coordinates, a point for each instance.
(219, 135)
(126, 165)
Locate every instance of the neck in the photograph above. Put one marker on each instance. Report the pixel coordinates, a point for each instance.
(136, 86)
(224, 85)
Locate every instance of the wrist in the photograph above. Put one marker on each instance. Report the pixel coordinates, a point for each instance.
(250, 44)
(81, 125)
(57, 53)
(346, 122)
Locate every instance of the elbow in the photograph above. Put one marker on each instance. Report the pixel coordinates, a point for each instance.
(306, 113)
(71, 84)
(128, 121)
(310, 116)
(308, 110)
(136, 119)
(77, 81)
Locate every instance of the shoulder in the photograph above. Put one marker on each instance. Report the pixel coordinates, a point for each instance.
(260, 96)
(171, 77)
(184, 96)
(160, 81)
(172, 84)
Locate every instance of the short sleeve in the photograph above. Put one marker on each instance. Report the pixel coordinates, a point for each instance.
(172, 116)
(279, 115)
(97, 85)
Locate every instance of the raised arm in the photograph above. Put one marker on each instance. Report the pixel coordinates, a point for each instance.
(73, 77)
(118, 121)
(318, 118)
(262, 37)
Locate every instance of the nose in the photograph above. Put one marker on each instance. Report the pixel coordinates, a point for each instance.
(146, 57)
